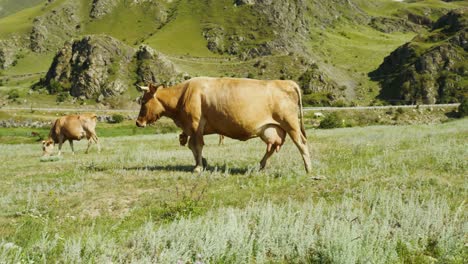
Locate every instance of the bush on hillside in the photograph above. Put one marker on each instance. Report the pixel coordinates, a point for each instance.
(62, 97)
(13, 94)
(55, 87)
(332, 120)
(117, 118)
(463, 108)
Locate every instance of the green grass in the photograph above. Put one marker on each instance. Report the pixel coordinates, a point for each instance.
(8, 7)
(359, 48)
(129, 22)
(21, 22)
(182, 35)
(390, 7)
(392, 194)
(31, 62)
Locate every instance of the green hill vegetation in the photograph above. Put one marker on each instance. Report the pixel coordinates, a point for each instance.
(433, 67)
(339, 41)
(8, 7)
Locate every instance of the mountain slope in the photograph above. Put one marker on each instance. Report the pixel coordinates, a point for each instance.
(8, 7)
(335, 42)
(432, 67)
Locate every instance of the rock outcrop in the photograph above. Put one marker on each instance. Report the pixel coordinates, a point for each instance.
(51, 30)
(91, 66)
(10, 49)
(101, 8)
(315, 81)
(154, 67)
(429, 69)
(99, 66)
(7, 54)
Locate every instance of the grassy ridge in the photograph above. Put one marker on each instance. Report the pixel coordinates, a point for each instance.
(21, 22)
(391, 194)
(182, 35)
(8, 7)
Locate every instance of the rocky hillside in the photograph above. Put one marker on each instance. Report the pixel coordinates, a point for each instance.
(432, 68)
(102, 47)
(101, 66)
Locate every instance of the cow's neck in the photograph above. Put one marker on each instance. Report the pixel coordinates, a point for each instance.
(169, 97)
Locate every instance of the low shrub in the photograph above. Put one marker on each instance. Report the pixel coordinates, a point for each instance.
(13, 94)
(117, 118)
(463, 108)
(62, 97)
(332, 120)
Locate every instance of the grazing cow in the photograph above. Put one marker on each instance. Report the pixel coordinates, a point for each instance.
(71, 127)
(237, 108)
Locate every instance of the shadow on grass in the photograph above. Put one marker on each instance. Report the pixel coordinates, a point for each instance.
(188, 168)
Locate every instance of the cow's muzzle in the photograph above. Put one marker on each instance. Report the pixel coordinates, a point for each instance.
(140, 124)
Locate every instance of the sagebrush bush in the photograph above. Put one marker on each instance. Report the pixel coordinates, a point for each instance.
(13, 94)
(117, 118)
(332, 120)
(463, 108)
(62, 97)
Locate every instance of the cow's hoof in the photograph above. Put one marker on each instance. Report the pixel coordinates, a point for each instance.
(204, 162)
(198, 169)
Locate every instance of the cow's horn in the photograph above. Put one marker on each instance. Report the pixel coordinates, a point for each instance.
(143, 88)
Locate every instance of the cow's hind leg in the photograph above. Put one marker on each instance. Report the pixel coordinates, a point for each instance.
(268, 154)
(90, 141)
(92, 138)
(96, 140)
(301, 143)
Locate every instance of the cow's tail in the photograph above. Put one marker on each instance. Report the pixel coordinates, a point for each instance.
(301, 112)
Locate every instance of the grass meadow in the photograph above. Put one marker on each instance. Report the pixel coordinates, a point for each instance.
(387, 194)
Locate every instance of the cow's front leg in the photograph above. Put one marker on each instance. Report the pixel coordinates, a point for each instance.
(196, 146)
(60, 142)
(71, 146)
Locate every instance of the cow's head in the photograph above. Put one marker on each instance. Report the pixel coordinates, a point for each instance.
(151, 108)
(47, 147)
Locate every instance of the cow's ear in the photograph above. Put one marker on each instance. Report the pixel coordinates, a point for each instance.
(154, 87)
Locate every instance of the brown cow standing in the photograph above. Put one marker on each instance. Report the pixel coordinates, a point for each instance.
(71, 127)
(237, 108)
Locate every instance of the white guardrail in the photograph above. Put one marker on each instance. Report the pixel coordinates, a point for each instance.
(7, 108)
